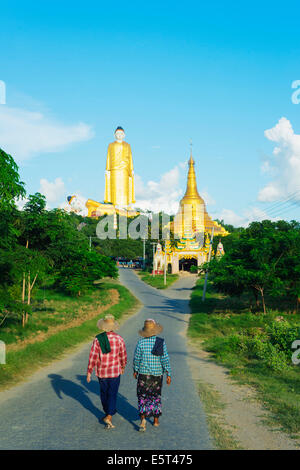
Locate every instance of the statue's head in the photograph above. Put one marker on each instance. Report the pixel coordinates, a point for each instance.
(119, 134)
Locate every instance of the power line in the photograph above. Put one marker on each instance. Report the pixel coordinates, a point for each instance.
(278, 204)
(288, 205)
(283, 210)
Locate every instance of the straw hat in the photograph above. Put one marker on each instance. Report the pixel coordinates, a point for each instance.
(151, 328)
(108, 323)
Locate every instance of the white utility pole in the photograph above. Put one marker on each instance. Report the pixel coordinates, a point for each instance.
(209, 257)
(144, 253)
(165, 263)
(153, 244)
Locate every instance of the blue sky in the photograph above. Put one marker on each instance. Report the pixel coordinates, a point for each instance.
(219, 74)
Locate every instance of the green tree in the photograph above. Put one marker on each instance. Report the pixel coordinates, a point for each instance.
(82, 269)
(11, 187)
(36, 204)
(256, 261)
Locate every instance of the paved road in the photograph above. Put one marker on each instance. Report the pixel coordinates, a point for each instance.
(57, 409)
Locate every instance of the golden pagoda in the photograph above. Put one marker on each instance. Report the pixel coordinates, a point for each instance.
(191, 229)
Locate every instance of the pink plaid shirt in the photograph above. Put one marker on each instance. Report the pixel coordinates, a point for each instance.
(110, 364)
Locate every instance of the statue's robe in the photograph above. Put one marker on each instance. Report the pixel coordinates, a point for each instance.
(119, 180)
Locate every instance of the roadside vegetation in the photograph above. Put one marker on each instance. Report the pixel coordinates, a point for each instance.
(157, 281)
(218, 428)
(54, 283)
(63, 324)
(256, 347)
(250, 317)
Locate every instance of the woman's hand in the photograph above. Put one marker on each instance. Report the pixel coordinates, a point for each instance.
(168, 380)
(88, 378)
(135, 375)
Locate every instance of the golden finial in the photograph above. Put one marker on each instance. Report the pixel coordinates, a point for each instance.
(191, 160)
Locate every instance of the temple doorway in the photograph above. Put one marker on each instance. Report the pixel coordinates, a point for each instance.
(186, 263)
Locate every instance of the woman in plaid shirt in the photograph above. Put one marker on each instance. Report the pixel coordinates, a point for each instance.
(149, 369)
(108, 357)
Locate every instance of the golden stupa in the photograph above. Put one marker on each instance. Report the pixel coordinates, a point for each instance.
(192, 228)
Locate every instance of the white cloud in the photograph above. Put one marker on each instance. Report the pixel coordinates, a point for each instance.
(230, 217)
(162, 195)
(208, 199)
(53, 191)
(284, 165)
(254, 214)
(20, 203)
(165, 194)
(24, 134)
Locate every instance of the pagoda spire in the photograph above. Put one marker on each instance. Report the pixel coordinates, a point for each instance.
(191, 194)
(191, 160)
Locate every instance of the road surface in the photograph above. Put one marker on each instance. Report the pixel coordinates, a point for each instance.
(57, 409)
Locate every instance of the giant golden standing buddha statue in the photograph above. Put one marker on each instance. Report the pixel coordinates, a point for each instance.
(119, 180)
(119, 175)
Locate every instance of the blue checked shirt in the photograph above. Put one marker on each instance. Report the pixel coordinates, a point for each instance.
(144, 362)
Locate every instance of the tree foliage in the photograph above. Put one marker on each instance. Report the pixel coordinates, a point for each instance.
(11, 188)
(262, 259)
(36, 244)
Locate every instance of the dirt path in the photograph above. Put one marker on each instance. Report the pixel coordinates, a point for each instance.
(242, 415)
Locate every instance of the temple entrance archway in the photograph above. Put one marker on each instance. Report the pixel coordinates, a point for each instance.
(186, 263)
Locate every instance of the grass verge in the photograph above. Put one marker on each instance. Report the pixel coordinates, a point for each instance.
(213, 407)
(228, 330)
(23, 362)
(157, 281)
(52, 310)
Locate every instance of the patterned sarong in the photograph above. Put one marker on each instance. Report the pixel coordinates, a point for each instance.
(149, 394)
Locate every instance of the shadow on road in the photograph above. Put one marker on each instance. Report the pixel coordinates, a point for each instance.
(75, 391)
(63, 386)
(124, 408)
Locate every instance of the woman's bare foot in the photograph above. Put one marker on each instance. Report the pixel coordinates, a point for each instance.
(107, 421)
(143, 424)
(156, 422)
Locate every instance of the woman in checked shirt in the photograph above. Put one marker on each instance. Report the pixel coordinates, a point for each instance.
(151, 361)
(108, 357)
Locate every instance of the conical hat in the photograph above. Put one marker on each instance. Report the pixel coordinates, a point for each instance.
(151, 328)
(108, 323)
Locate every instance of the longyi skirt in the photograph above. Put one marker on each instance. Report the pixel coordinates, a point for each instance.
(149, 394)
